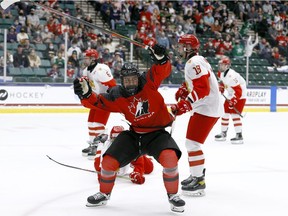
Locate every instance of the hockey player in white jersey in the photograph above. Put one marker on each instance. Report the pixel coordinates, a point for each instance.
(199, 94)
(236, 91)
(100, 79)
(136, 169)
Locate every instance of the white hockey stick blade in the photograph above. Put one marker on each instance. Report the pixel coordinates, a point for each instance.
(6, 3)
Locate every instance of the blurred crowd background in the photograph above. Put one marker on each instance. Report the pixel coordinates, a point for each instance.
(36, 38)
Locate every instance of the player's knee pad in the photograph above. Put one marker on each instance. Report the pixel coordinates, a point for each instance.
(109, 163)
(168, 158)
(192, 145)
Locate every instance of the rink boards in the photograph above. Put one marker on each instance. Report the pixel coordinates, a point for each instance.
(61, 99)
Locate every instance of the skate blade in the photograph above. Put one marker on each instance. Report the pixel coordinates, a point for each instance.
(103, 203)
(179, 209)
(197, 193)
(84, 154)
(237, 142)
(220, 139)
(91, 157)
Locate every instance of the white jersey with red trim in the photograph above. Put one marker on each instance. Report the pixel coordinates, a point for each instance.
(100, 78)
(208, 104)
(233, 80)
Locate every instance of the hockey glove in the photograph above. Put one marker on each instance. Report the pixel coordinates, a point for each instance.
(182, 92)
(158, 54)
(221, 87)
(181, 107)
(232, 102)
(137, 178)
(82, 87)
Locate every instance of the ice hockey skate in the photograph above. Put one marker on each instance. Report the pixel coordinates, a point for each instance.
(221, 137)
(176, 203)
(98, 199)
(187, 181)
(196, 187)
(90, 152)
(238, 139)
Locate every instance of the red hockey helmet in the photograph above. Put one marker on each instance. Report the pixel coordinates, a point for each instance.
(115, 131)
(190, 39)
(224, 64)
(92, 53)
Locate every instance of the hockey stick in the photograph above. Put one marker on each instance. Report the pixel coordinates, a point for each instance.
(234, 108)
(79, 168)
(6, 3)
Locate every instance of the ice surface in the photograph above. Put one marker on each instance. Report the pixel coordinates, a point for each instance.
(242, 180)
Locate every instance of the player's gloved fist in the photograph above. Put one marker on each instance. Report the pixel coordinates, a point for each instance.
(221, 87)
(158, 54)
(137, 178)
(181, 107)
(182, 92)
(82, 87)
(232, 102)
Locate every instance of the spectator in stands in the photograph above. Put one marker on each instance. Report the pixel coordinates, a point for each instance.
(266, 53)
(34, 59)
(117, 64)
(189, 27)
(238, 50)
(143, 23)
(9, 62)
(163, 40)
(120, 49)
(79, 12)
(75, 48)
(12, 35)
(59, 60)
(208, 20)
(216, 26)
(115, 17)
(179, 64)
(74, 59)
(33, 19)
(50, 52)
(22, 36)
(47, 36)
(135, 13)
(19, 58)
(179, 32)
(54, 72)
(70, 70)
(110, 44)
(17, 25)
(37, 39)
(152, 6)
(22, 18)
(276, 58)
(208, 49)
(107, 58)
(201, 28)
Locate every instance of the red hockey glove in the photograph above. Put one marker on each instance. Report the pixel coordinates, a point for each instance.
(137, 178)
(232, 102)
(181, 107)
(221, 87)
(182, 92)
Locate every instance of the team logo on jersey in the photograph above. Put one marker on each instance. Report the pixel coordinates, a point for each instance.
(139, 108)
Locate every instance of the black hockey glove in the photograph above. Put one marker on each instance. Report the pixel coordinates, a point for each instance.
(158, 54)
(82, 88)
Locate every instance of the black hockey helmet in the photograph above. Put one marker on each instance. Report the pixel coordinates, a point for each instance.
(129, 69)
